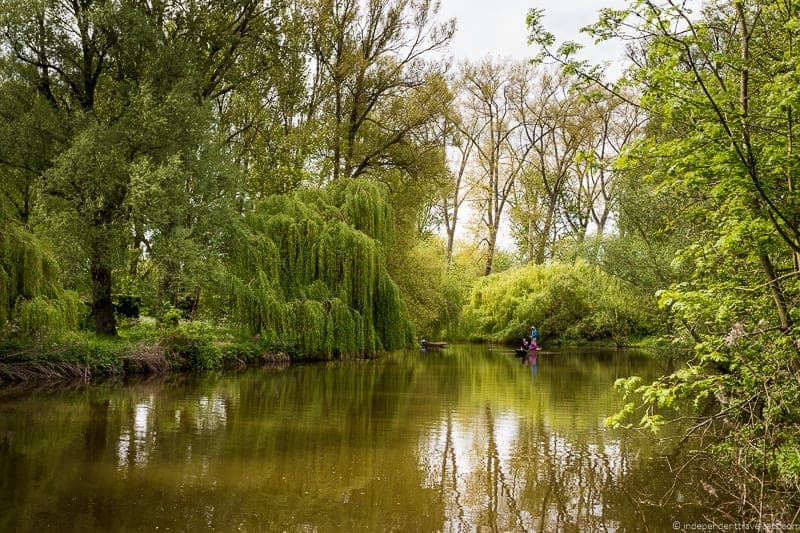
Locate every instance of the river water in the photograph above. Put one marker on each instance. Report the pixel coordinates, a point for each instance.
(464, 439)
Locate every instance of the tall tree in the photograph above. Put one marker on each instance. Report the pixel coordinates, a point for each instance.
(498, 139)
(357, 91)
(459, 150)
(25, 150)
(374, 83)
(557, 124)
(613, 125)
(271, 121)
(706, 71)
(127, 85)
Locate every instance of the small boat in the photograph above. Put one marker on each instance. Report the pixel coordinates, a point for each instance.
(522, 352)
(428, 345)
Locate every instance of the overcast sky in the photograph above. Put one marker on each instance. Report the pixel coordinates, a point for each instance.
(497, 27)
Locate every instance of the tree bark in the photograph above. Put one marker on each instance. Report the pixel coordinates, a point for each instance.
(491, 244)
(777, 292)
(544, 238)
(102, 305)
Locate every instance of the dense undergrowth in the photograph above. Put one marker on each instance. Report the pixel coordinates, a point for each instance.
(144, 346)
(566, 302)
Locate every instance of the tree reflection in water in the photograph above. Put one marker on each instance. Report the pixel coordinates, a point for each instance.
(545, 462)
(459, 440)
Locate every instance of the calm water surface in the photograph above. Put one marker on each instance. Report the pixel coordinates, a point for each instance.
(465, 439)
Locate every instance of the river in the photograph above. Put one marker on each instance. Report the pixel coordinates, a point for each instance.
(463, 439)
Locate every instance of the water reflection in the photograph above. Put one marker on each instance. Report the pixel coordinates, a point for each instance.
(529, 468)
(459, 440)
(532, 362)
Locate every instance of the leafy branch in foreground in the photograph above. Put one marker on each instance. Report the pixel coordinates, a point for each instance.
(720, 88)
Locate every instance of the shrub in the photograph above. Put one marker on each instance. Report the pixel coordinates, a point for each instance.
(567, 302)
(193, 345)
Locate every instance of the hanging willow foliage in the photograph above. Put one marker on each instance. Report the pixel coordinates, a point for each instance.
(364, 205)
(33, 305)
(308, 272)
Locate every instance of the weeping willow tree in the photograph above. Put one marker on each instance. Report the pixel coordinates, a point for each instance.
(33, 305)
(308, 272)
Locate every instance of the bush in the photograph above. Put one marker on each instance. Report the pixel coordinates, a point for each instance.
(576, 302)
(193, 346)
(128, 305)
(171, 316)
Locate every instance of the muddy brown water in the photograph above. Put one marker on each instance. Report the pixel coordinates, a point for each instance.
(462, 439)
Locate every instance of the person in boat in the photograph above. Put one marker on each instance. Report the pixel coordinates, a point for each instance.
(524, 347)
(534, 344)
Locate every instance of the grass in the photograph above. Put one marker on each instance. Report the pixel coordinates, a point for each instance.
(142, 347)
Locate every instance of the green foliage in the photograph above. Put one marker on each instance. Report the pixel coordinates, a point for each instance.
(465, 269)
(168, 126)
(42, 318)
(119, 150)
(193, 345)
(97, 355)
(720, 86)
(742, 394)
(34, 306)
(565, 302)
(170, 317)
(364, 205)
(308, 273)
(143, 328)
(420, 275)
(103, 355)
(653, 226)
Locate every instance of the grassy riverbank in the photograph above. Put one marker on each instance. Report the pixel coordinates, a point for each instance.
(142, 347)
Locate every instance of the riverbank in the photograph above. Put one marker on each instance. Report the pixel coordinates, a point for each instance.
(145, 346)
(647, 344)
(142, 348)
(653, 345)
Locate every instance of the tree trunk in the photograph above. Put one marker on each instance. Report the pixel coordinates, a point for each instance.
(777, 292)
(451, 238)
(546, 227)
(102, 306)
(531, 237)
(492, 244)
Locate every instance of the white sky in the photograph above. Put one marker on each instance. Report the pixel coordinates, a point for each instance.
(497, 27)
